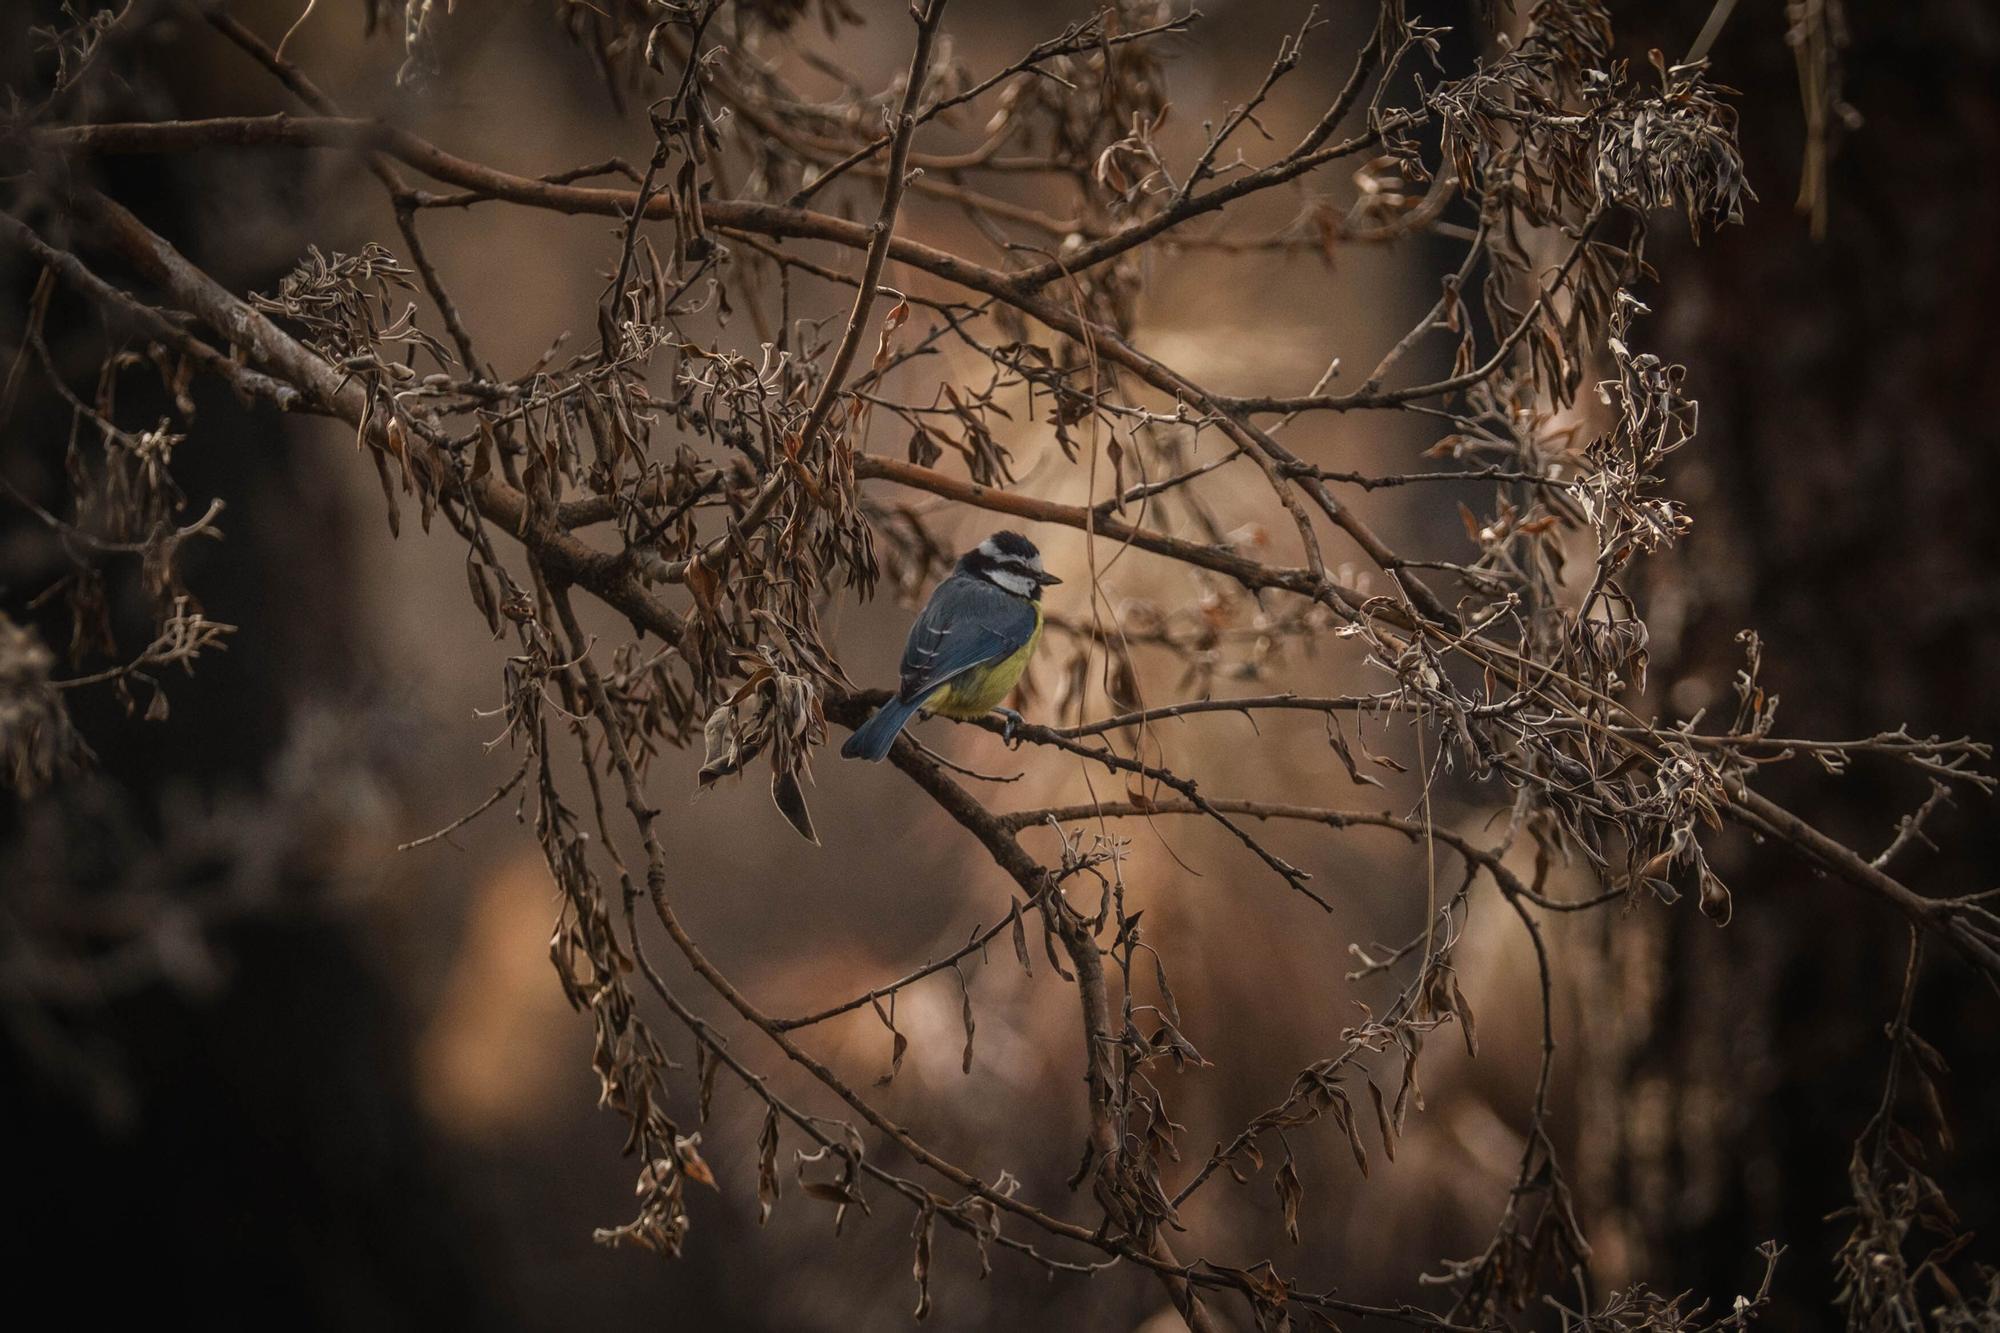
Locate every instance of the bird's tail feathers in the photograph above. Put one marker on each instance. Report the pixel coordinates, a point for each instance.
(878, 733)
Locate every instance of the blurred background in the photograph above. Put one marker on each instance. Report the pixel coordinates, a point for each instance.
(340, 1085)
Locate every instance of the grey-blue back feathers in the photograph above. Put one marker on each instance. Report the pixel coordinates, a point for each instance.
(967, 623)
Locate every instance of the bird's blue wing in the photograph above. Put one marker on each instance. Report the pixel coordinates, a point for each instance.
(967, 624)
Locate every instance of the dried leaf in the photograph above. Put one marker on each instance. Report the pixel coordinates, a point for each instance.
(721, 753)
(1338, 738)
(769, 1188)
(790, 799)
(921, 1267)
(1716, 903)
(706, 1065)
(899, 1046)
(691, 1161)
(1463, 1012)
(476, 579)
(704, 587)
(1382, 1121)
(831, 1191)
(1290, 1195)
(965, 1007)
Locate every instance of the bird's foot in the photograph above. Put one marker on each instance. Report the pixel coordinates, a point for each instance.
(1009, 719)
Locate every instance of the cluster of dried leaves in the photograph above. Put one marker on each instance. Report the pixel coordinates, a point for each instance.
(704, 483)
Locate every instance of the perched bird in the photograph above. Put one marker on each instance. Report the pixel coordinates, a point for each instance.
(971, 643)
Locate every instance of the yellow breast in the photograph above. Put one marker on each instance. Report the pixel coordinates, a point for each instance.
(979, 690)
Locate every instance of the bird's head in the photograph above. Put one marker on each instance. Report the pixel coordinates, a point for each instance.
(1010, 562)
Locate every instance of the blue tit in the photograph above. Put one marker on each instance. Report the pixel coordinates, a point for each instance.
(971, 643)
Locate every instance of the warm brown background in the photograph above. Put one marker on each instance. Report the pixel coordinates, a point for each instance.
(364, 1104)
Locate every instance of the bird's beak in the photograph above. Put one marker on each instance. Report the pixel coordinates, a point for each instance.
(1047, 580)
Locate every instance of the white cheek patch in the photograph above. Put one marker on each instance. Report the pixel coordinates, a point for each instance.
(1018, 584)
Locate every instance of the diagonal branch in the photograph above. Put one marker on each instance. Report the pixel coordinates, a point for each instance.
(884, 230)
